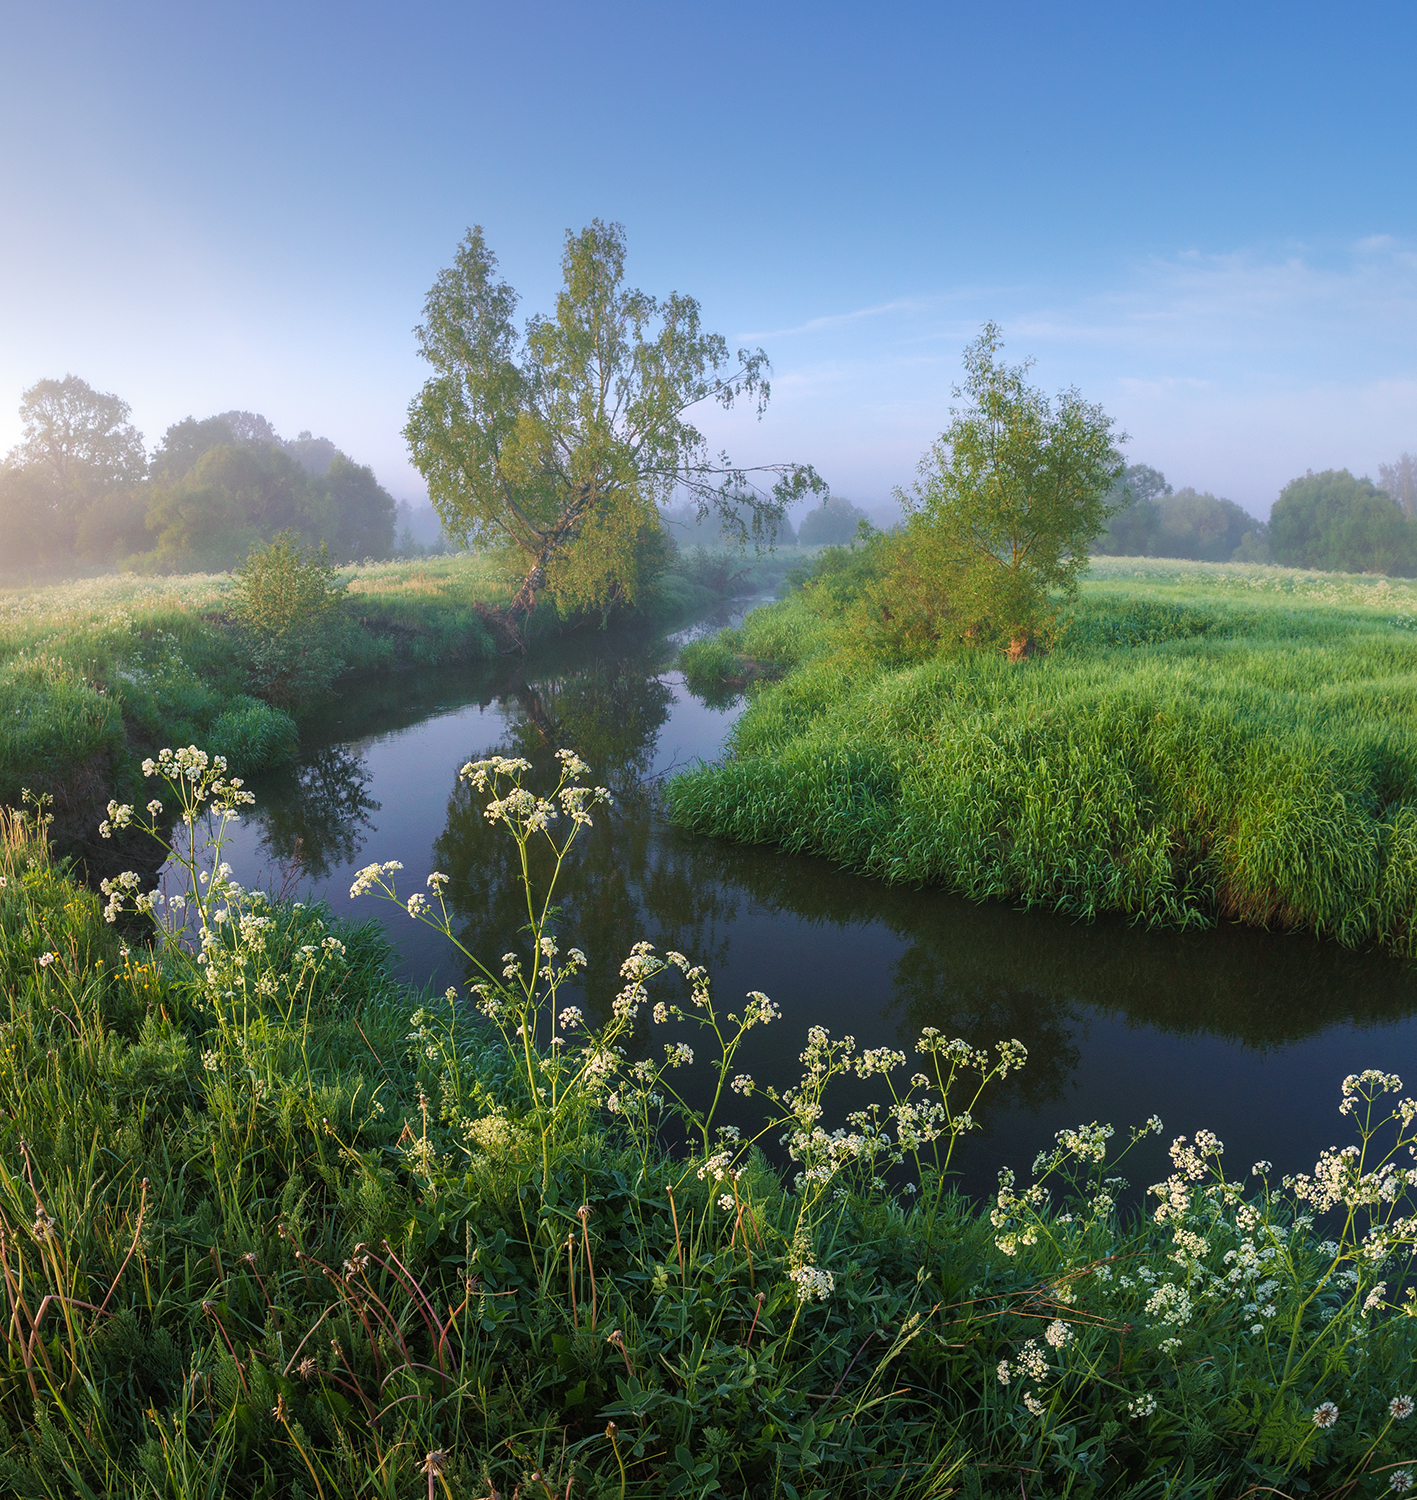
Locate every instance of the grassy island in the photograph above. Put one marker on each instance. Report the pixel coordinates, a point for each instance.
(271, 1225)
(1202, 741)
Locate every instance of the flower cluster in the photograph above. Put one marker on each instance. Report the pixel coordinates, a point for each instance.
(813, 1281)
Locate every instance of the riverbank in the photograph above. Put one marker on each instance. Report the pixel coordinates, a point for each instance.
(1205, 741)
(334, 1244)
(97, 674)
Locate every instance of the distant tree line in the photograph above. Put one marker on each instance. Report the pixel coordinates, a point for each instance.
(1329, 521)
(81, 490)
(833, 523)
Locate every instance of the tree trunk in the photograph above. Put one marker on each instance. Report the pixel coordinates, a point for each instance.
(526, 594)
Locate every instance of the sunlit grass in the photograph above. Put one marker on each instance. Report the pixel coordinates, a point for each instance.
(1206, 740)
(92, 668)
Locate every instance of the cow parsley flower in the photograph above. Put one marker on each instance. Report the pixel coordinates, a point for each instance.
(813, 1281)
(1057, 1333)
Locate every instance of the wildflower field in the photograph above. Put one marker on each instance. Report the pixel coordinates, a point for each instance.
(272, 1225)
(1202, 741)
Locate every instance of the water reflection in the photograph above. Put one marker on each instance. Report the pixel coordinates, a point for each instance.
(318, 815)
(1242, 1031)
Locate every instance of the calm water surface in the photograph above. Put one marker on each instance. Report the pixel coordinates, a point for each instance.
(1244, 1032)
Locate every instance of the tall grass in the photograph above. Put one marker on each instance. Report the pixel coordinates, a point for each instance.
(1207, 741)
(270, 1225)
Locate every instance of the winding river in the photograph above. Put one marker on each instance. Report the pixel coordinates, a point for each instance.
(1244, 1032)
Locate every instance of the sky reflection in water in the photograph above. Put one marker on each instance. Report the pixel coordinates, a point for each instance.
(1243, 1032)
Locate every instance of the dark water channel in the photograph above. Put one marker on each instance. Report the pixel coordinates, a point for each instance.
(1244, 1032)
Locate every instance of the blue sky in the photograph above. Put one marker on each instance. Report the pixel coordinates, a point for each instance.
(1202, 215)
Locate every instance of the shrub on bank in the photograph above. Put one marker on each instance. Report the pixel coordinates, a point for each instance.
(340, 1239)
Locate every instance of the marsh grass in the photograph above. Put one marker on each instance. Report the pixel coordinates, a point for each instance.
(1205, 741)
(272, 1225)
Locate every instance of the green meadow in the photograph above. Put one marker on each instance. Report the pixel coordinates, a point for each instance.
(1203, 741)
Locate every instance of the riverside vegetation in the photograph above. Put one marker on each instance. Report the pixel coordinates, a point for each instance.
(1201, 742)
(272, 1225)
(95, 674)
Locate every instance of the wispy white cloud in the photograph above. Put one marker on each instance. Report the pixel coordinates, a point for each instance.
(1231, 371)
(839, 320)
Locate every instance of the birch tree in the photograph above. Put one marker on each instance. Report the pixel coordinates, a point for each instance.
(560, 442)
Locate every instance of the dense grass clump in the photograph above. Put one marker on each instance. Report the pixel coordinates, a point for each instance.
(271, 1225)
(1203, 742)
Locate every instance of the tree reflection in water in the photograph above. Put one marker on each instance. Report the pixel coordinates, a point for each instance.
(615, 886)
(318, 817)
(1097, 1005)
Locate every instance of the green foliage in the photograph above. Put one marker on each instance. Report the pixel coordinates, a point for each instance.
(1131, 528)
(1205, 527)
(349, 508)
(187, 441)
(36, 522)
(1341, 524)
(79, 490)
(1399, 480)
(78, 437)
(286, 599)
(71, 478)
(561, 445)
(833, 523)
(1010, 498)
(252, 736)
(232, 498)
(1228, 744)
(336, 1238)
(283, 589)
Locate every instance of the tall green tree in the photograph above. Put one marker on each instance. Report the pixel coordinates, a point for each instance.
(79, 457)
(234, 496)
(347, 506)
(561, 442)
(1132, 530)
(77, 436)
(1012, 495)
(833, 523)
(1336, 523)
(184, 443)
(1204, 527)
(1399, 479)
